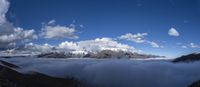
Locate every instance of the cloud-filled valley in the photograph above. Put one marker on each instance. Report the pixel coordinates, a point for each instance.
(103, 43)
(116, 73)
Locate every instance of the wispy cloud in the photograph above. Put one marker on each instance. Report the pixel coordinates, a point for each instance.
(183, 46)
(193, 45)
(190, 45)
(139, 38)
(153, 44)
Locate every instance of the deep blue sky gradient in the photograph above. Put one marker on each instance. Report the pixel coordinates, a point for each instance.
(113, 18)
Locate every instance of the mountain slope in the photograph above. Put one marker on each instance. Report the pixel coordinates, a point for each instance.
(188, 58)
(11, 78)
(195, 84)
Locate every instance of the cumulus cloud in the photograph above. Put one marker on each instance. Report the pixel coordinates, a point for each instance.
(173, 32)
(51, 30)
(9, 34)
(103, 44)
(4, 5)
(18, 34)
(85, 46)
(69, 45)
(36, 49)
(5, 26)
(139, 38)
(117, 73)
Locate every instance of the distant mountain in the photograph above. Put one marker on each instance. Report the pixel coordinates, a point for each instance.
(101, 54)
(9, 77)
(188, 58)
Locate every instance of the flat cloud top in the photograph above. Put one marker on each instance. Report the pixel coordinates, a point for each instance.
(116, 73)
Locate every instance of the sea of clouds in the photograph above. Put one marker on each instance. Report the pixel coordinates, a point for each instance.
(116, 72)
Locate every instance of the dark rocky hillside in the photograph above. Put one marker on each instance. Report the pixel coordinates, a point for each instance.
(188, 58)
(9, 77)
(195, 84)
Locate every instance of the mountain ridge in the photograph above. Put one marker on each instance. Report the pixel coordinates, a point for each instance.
(98, 55)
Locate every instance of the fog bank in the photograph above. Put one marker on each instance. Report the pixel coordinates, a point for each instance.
(116, 73)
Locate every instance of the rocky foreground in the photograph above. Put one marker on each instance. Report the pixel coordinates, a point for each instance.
(9, 77)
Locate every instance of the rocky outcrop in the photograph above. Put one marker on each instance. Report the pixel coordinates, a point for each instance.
(8, 64)
(188, 58)
(9, 77)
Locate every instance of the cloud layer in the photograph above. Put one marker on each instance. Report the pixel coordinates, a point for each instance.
(117, 73)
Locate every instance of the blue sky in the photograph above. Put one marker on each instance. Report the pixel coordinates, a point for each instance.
(113, 18)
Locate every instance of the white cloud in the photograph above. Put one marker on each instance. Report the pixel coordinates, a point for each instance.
(184, 46)
(58, 31)
(18, 34)
(173, 32)
(4, 5)
(103, 44)
(35, 48)
(52, 22)
(192, 45)
(139, 38)
(85, 46)
(5, 26)
(116, 73)
(9, 34)
(154, 44)
(96, 45)
(69, 46)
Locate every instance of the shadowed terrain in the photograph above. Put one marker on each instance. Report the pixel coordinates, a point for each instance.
(195, 84)
(11, 78)
(188, 58)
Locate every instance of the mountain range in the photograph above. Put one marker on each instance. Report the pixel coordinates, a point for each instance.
(99, 55)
